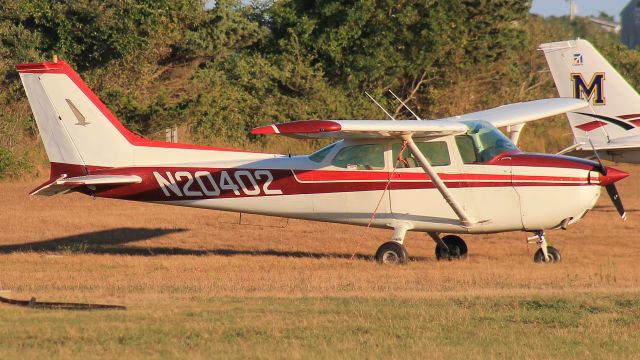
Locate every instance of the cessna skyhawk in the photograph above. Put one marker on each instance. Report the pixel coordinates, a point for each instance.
(457, 175)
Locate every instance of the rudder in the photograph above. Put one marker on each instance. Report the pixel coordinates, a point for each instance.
(580, 71)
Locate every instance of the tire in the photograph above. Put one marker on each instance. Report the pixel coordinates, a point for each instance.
(392, 253)
(554, 255)
(457, 249)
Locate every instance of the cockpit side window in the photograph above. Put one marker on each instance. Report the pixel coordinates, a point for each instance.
(360, 157)
(436, 153)
(466, 148)
(319, 155)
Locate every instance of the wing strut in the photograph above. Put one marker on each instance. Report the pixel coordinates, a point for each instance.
(446, 194)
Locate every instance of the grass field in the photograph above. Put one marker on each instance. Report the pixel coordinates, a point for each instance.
(199, 285)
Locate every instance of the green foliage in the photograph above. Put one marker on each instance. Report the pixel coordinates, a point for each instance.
(367, 44)
(11, 165)
(224, 70)
(222, 29)
(91, 34)
(6, 162)
(408, 45)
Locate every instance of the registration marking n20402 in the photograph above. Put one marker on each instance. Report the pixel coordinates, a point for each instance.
(204, 183)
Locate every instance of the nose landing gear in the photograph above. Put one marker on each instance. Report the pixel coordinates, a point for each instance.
(545, 253)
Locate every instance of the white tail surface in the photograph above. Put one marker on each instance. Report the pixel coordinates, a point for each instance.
(74, 130)
(580, 71)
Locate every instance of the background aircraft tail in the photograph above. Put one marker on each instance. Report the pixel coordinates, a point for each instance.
(77, 129)
(580, 71)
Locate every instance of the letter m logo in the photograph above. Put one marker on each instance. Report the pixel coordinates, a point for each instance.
(594, 90)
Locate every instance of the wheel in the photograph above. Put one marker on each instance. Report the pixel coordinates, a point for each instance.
(392, 253)
(554, 255)
(457, 248)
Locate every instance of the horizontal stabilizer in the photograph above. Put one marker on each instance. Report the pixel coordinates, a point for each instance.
(63, 183)
(100, 180)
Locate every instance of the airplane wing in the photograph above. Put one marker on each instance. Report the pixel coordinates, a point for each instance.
(506, 115)
(64, 183)
(519, 113)
(343, 129)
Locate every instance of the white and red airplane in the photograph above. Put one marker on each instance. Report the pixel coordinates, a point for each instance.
(457, 175)
(610, 125)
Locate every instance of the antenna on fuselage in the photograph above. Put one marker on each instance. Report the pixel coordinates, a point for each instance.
(380, 106)
(405, 105)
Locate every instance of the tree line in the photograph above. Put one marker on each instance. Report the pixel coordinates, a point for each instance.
(218, 71)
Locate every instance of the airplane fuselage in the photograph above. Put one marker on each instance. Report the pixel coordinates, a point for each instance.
(512, 191)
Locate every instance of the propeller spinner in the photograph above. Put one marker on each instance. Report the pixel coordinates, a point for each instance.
(608, 179)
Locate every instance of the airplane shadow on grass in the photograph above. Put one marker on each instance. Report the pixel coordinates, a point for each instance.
(113, 242)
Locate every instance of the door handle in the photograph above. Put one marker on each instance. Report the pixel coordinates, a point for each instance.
(505, 158)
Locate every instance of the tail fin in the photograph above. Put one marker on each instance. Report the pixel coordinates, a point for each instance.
(77, 129)
(580, 71)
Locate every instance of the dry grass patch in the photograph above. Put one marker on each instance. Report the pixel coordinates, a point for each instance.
(197, 283)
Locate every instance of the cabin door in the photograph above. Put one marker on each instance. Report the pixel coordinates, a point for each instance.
(414, 197)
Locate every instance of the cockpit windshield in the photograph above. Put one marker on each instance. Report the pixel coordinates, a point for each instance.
(487, 140)
(321, 154)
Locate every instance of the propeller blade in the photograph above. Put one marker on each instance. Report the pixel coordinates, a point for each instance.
(603, 170)
(617, 202)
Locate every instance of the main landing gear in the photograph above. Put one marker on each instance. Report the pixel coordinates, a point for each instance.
(545, 253)
(393, 252)
(450, 247)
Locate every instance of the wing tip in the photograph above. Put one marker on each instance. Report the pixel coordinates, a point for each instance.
(265, 130)
(299, 127)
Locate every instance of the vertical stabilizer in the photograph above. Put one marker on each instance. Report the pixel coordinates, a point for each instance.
(75, 126)
(580, 71)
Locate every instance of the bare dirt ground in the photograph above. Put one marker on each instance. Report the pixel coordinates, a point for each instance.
(156, 259)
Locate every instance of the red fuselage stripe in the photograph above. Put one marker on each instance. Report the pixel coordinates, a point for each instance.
(187, 186)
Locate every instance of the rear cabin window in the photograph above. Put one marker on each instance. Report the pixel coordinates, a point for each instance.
(360, 157)
(436, 153)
